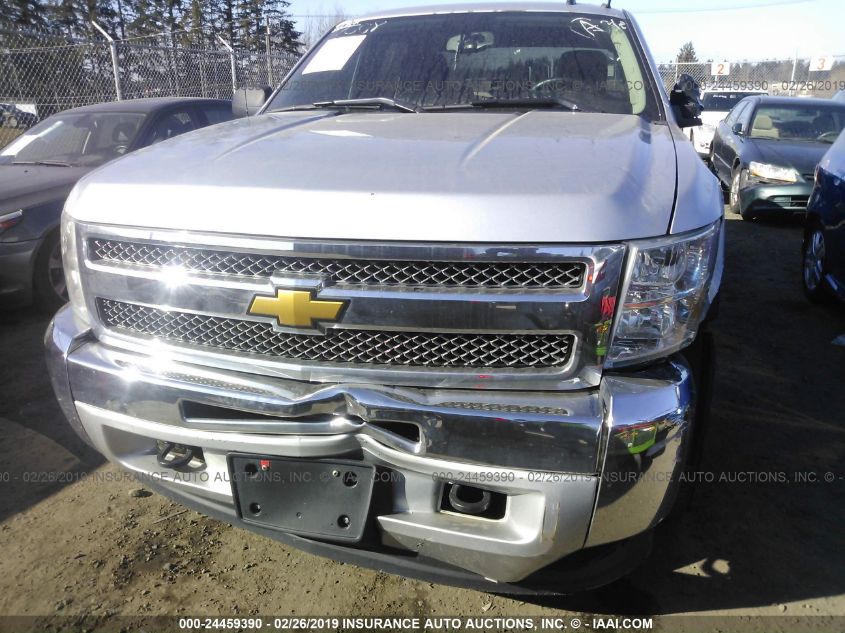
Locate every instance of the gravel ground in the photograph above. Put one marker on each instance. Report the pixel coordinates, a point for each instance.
(745, 548)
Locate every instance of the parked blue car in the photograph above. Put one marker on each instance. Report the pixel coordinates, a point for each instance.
(823, 251)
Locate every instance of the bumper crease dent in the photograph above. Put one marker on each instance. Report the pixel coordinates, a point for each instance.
(579, 469)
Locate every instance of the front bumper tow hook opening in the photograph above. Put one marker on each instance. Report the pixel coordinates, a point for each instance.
(172, 455)
(469, 499)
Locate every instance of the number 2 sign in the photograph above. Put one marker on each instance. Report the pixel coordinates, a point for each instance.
(720, 69)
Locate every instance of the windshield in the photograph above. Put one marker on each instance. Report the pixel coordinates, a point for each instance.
(723, 101)
(438, 61)
(75, 139)
(798, 123)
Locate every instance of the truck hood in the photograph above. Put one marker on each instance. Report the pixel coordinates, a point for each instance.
(540, 176)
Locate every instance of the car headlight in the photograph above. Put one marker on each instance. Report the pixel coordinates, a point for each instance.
(8, 220)
(773, 172)
(669, 285)
(73, 277)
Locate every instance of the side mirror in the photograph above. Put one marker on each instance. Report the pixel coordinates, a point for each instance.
(737, 129)
(248, 101)
(685, 100)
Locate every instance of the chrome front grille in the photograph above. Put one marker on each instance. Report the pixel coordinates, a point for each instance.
(376, 272)
(432, 315)
(352, 346)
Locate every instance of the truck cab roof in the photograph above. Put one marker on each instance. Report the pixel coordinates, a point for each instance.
(490, 7)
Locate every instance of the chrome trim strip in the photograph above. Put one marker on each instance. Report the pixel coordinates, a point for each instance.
(12, 215)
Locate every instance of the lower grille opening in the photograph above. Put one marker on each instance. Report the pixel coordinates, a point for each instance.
(196, 411)
(365, 347)
(406, 430)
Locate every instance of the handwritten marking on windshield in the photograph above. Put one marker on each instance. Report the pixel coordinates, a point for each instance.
(587, 28)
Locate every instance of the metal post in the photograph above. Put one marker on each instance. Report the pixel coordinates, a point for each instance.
(203, 87)
(172, 55)
(792, 78)
(114, 62)
(267, 46)
(232, 60)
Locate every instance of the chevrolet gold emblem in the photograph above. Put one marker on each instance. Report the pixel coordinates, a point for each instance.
(296, 308)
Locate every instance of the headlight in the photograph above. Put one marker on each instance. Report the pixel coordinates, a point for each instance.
(669, 285)
(70, 259)
(8, 220)
(773, 172)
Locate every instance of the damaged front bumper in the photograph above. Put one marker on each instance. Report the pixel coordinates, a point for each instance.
(775, 199)
(579, 470)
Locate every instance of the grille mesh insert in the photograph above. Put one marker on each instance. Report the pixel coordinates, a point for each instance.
(347, 271)
(421, 349)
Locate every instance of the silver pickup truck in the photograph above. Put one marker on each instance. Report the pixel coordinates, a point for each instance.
(440, 308)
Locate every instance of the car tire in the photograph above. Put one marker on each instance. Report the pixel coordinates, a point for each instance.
(734, 203)
(48, 282)
(814, 265)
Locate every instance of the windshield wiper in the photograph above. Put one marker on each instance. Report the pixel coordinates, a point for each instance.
(521, 102)
(527, 102)
(51, 163)
(373, 102)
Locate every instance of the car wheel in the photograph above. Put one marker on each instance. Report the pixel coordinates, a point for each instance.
(813, 253)
(737, 180)
(49, 284)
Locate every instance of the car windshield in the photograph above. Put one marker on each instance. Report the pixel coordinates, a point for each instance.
(75, 139)
(798, 123)
(459, 60)
(723, 101)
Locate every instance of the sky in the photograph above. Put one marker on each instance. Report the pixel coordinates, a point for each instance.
(719, 29)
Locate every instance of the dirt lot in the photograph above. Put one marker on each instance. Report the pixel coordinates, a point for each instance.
(743, 548)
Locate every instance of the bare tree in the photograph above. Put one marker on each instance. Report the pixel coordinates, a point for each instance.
(313, 28)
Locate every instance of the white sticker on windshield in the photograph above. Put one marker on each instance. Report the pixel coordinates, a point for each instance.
(334, 54)
(26, 138)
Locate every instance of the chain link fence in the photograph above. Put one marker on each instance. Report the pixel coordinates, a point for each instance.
(797, 77)
(41, 74)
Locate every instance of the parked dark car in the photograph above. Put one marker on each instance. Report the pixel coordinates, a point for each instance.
(39, 168)
(766, 150)
(823, 251)
(14, 117)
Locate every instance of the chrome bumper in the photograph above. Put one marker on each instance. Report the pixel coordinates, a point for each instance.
(580, 469)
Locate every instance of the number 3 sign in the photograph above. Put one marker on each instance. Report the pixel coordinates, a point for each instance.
(821, 62)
